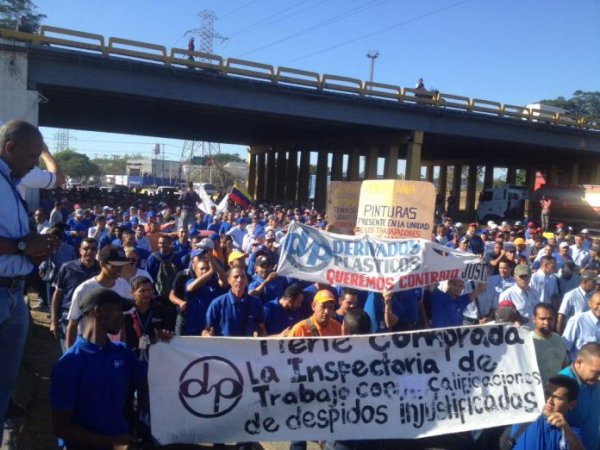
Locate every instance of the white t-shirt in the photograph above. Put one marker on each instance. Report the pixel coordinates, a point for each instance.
(121, 287)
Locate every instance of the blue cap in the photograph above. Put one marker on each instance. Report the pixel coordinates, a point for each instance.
(150, 214)
(241, 220)
(197, 252)
(135, 220)
(213, 236)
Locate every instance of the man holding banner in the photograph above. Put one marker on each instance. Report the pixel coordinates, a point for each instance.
(447, 307)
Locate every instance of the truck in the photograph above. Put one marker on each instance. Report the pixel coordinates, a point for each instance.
(571, 204)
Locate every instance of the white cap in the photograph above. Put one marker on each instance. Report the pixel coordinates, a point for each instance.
(563, 244)
(585, 231)
(504, 223)
(518, 223)
(458, 225)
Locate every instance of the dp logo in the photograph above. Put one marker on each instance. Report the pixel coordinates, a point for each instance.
(210, 386)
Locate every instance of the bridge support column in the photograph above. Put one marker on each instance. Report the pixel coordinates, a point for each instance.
(321, 181)
(429, 173)
(303, 177)
(260, 176)
(271, 175)
(371, 164)
(574, 178)
(391, 163)
(488, 177)
(279, 193)
(456, 185)
(443, 185)
(530, 176)
(471, 188)
(413, 156)
(251, 185)
(353, 164)
(337, 165)
(511, 175)
(291, 175)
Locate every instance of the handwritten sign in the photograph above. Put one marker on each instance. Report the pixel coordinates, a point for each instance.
(400, 385)
(396, 209)
(342, 205)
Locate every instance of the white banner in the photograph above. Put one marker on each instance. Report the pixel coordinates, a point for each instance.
(367, 263)
(399, 385)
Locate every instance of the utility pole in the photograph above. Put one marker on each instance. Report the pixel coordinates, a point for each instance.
(372, 55)
(206, 32)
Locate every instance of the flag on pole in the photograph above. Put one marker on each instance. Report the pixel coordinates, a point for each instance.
(240, 196)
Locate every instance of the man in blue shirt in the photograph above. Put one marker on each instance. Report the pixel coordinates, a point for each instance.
(552, 431)
(586, 371)
(235, 313)
(399, 311)
(447, 307)
(21, 145)
(283, 313)
(91, 383)
(266, 284)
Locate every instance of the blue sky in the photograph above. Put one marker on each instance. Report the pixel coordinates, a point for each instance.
(512, 51)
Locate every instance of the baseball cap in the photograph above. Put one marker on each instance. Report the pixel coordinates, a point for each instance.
(241, 220)
(113, 255)
(522, 269)
(458, 225)
(519, 241)
(531, 224)
(207, 243)
(585, 231)
(263, 260)
(563, 245)
(518, 223)
(473, 225)
(150, 214)
(102, 296)
(197, 252)
(324, 296)
(506, 304)
(235, 254)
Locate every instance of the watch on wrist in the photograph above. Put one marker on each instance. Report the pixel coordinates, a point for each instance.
(21, 246)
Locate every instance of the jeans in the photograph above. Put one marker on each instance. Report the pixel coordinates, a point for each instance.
(14, 321)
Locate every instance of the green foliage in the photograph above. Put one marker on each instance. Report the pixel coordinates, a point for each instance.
(582, 104)
(13, 10)
(76, 165)
(224, 158)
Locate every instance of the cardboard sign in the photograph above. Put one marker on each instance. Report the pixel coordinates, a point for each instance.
(394, 386)
(396, 209)
(342, 205)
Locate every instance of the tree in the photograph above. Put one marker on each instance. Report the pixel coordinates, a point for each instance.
(76, 165)
(582, 104)
(224, 158)
(24, 11)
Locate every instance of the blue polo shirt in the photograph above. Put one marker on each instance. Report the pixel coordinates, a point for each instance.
(230, 317)
(405, 305)
(540, 435)
(446, 311)
(586, 413)
(273, 291)
(95, 383)
(197, 305)
(277, 318)
(71, 275)
(225, 227)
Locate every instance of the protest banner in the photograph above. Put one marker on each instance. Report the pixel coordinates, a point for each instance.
(396, 209)
(364, 262)
(398, 385)
(342, 205)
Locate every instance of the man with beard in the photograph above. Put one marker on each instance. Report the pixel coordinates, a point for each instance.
(549, 348)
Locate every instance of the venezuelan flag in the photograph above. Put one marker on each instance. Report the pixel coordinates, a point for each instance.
(240, 196)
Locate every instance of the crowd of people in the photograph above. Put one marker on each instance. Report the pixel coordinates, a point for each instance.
(117, 272)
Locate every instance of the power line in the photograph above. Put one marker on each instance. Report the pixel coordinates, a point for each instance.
(381, 30)
(322, 24)
(238, 9)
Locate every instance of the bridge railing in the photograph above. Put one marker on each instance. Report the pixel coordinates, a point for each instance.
(90, 42)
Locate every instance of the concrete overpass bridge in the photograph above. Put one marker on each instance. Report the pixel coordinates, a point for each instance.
(71, 79)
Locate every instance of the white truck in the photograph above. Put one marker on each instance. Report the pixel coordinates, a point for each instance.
(501, 203)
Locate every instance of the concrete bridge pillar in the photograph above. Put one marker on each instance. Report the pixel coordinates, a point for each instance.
(391, 163)
(280, 176)
(574, 175)
(321, 181)
(271, 176)
(251, 172)
(429, 173)
(261, 174)
(371, 164)
(353, 164)
(471, 190)
(511, 175)
(303, 176)
(488, 177)
(337, 165)
(291, 175)
(443, 183)
(456, 184)
(413, 156)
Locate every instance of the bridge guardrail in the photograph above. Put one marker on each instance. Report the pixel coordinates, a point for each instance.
(161, 56)
(64, 37)
(180, 56)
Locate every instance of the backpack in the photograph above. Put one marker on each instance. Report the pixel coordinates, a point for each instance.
(165, 276)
